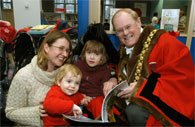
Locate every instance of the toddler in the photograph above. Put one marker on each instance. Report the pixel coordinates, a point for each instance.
(63, 97)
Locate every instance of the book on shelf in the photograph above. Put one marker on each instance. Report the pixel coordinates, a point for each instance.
(106, 106)
(41, 29)
(71, 18)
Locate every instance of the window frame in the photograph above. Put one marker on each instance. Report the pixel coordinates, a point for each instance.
(65, 4)
(104, 8)
(10, 2)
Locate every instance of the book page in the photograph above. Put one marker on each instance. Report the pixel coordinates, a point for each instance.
(82, 119)
(118, 88)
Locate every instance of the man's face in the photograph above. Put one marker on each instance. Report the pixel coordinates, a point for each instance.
(128, 30)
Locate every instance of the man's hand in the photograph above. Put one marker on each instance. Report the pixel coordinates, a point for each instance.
(42, 112)
(127, 92)
(108, 85)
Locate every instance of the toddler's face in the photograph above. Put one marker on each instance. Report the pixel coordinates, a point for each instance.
(70, 84)
(93, 59)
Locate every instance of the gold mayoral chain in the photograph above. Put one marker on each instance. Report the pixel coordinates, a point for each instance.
(142, 54)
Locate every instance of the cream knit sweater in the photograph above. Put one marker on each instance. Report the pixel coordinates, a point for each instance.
(29, 86)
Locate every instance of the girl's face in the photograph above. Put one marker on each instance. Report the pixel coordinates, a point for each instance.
(92, 59)
(57, 53)
(70, 84)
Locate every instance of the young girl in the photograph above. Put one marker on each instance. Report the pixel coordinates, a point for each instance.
(63, 96)
(95, 72)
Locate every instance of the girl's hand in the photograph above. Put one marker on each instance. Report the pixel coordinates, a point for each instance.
(77, 111)
(86, 100)
(42, 112)
(127, 92)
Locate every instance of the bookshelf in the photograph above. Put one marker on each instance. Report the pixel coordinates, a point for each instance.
(51, 18)
(72, 19)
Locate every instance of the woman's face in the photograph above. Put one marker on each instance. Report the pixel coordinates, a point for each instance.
(57, 53)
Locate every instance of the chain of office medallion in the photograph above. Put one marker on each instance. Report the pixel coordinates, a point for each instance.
(142, 54)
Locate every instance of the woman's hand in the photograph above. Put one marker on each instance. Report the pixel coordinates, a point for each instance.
(108, 85)
(127, 92)
(77, 111)
(42, 112)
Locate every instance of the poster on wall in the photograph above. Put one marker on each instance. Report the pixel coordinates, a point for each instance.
(112, 12)
(170, 19)
(142, 7)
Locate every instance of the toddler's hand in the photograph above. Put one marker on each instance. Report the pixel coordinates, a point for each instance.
(77, 111)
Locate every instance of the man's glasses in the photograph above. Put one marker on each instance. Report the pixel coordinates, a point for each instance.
(62, 49)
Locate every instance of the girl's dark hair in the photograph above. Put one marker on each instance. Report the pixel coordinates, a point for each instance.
(95, 47)
(96, 32)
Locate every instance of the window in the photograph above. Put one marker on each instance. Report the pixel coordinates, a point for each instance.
(107, 4)
(59, 4)
(70, 5)
(6, 4)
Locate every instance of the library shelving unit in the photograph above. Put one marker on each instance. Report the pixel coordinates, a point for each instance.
(52, 18)
(72, 19)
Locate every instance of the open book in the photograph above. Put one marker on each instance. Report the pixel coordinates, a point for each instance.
(105, 106)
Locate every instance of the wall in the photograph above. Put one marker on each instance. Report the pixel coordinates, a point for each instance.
(26, 13)
(156, 6)
(48, 5)
(83, 16)
(192, 49)
(0, 14)
(8, 15)
(175, 4)
(130, 4)
(95, 11)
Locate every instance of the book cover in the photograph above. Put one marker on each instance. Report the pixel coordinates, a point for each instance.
(41, 29)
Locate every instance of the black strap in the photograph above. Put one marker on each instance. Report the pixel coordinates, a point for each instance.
(170, 112)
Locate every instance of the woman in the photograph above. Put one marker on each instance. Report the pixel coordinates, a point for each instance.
(31, 83)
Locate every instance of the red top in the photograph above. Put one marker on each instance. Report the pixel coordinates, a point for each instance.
(175, 87)
(57, 103)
